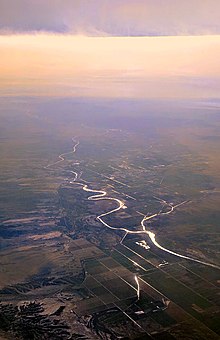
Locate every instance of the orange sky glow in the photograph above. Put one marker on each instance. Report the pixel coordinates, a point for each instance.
(145, 67)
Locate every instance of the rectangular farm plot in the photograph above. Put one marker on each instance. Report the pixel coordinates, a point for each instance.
(164, 319)
(110, 263)
(97, 289)
(125, 262)
(94, 267)
(202, 286)
(208, 273)
(106, 284)
(116, 285)
(90, 306)
(134, 258)
(119, 288)
(174, 290)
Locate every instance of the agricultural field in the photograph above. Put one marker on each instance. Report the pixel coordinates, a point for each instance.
(108, 230)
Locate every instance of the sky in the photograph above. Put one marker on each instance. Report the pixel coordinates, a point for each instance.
(110, 48)
(112, 17)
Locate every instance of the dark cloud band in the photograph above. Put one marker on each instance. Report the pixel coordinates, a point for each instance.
(111, 17)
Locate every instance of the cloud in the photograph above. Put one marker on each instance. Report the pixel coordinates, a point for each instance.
(111, 17)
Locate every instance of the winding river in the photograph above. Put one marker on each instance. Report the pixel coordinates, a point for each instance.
(102, 195)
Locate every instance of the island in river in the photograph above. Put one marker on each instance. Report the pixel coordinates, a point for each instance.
(109, 227)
